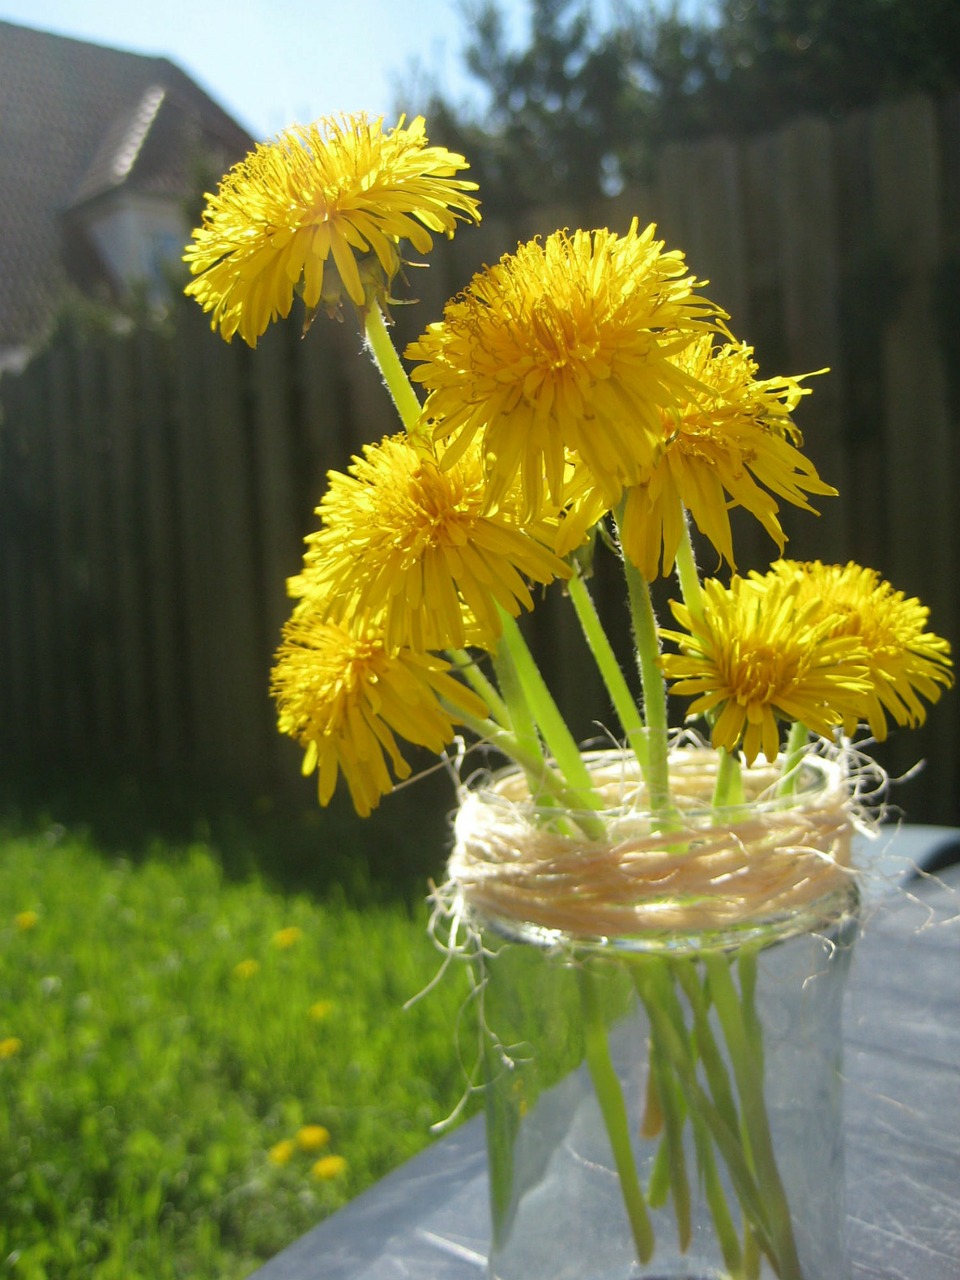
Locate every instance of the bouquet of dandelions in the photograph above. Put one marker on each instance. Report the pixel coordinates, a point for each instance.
(580, 388)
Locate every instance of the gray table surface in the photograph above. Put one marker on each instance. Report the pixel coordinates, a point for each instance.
(428, 1220)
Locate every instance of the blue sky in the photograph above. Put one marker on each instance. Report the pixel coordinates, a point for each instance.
(274, 62)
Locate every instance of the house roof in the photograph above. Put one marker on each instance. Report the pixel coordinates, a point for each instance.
(77, 121)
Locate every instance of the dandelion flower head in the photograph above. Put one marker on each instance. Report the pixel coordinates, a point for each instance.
(340, 189)
(562, 346)
(26, 920)
(905, 661)
(731, 442)
(10, 1046)
(282, 1152)
(312, 1137)
(328, 1167)
(756, 656)
(402, 537)
(288, 937)
(345, 697)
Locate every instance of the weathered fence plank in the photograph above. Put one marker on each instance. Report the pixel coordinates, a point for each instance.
(810, 272)
(919, 442)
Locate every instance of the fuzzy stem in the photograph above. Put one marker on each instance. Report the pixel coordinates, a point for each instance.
(654, 691)
(609, 668)
(394, 375)
(797, 739)
(475, 677)
(687, 575)
(560, 741)
(541, 777)
(728, 787)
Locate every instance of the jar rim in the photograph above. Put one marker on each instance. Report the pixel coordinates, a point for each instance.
(773, 866)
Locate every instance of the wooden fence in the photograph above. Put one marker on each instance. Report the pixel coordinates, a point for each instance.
(155, 488)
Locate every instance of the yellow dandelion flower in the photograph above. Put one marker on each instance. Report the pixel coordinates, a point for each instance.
(312, 1137)
(339, 189)
(344, 695)
(245, 969)
(328, 1167)
(10, 1047)
(282, 1152)
(286, 938)
(26, 920)
(402, 538)
(904, 660)
(320, 1009)
(731, 443)
(563, 345)
(757, 656)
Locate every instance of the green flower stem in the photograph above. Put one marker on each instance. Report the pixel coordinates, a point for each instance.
(663, 978)
(521, 720)
(748, 972)
(658, 996)
(654, 692)
(797, 739)
(752, 1255)
(728, 787)
(673, 1117)
(524, 728)
(614, 1111)
(749, 1077)
(658, 1185)
(467, 666)
(543, 780)
(559, 740)
(609, 668)
(394, 375)
(714, 1066)
(716, 1196)
(687, 574)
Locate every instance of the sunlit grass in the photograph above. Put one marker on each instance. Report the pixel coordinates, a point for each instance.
(194, 1072)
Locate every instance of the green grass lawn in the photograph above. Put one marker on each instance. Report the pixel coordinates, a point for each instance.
(194, 1071)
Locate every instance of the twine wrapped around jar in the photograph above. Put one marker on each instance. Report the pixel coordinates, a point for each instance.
(767, 860)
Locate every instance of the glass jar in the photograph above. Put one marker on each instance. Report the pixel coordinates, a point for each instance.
(664, 1101)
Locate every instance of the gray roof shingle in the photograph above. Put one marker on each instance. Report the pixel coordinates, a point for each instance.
(78, 120)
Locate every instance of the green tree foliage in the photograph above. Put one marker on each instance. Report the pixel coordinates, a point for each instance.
(784, 57)
(562, 112)
(584, 105)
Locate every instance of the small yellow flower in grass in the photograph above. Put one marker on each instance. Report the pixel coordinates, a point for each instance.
(26, 920)
(320, 1009)
(286, 938)
(10, 1047)
(402, 538)
(563, 345)
(758, 656)
(312, 1137)
(328, 1167)
(246, 968)
(339, 189)
(344, 695)
(282, 1152)
(904, 660)
(730, 443)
